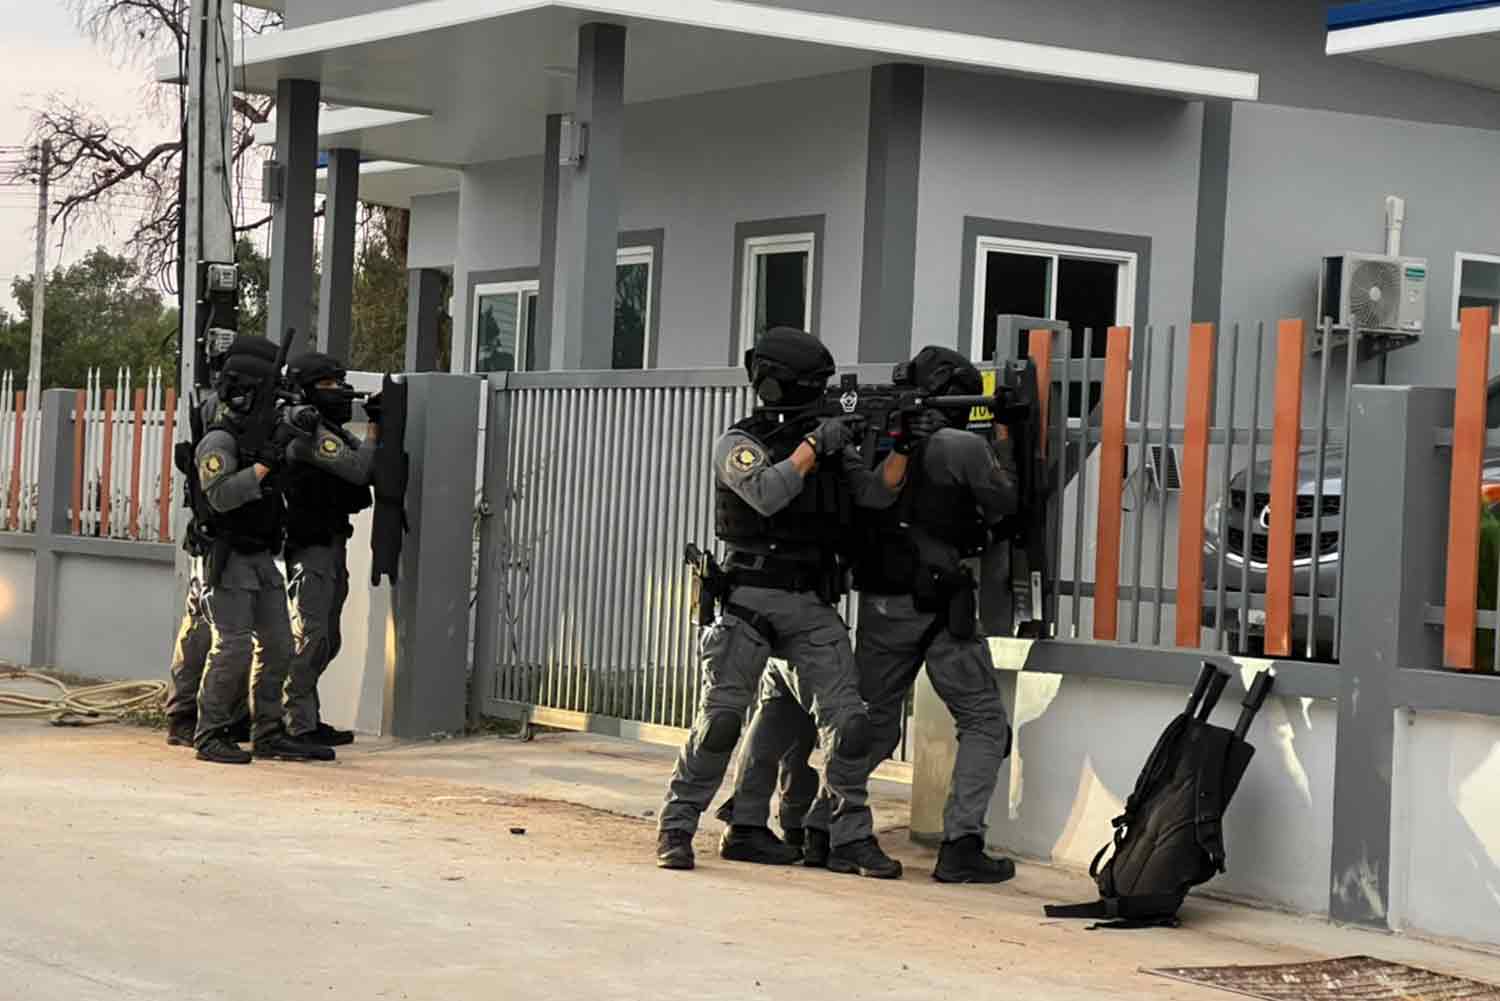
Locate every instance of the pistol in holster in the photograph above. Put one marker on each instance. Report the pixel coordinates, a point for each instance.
(950, 595)
(711, 585)
(214, 562)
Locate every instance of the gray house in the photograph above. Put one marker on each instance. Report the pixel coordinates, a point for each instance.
(648, 182)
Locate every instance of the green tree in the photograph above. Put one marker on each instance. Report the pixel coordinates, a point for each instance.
(101, 313)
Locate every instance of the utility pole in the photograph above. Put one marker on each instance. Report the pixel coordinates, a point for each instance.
(39, 281)
(208, 217)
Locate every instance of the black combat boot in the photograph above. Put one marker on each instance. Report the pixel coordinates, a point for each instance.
(674, 850)
(794, 836)
(239, 730)
(964, 861)
(220, 750)
(327, 736)
(815, 848)
(743, 843)
(180, 731)
(865, 858)
(283, 747)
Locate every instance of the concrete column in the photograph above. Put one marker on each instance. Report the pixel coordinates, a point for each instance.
(589, 207)
(547, 285)
(1394, 561)
(1213, 210)
(427, 665)
(55, 493)
(291, 302)
(336, 299)
(424, 307)
(888, 280)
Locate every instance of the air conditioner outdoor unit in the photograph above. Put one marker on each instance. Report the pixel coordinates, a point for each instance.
(1372, 292)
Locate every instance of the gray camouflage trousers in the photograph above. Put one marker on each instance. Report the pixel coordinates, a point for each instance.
(809, 634)
(890, 651)
(318, 588)
(189, 655)
(247, 618)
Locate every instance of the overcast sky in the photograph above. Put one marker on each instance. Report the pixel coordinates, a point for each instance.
(42, 52)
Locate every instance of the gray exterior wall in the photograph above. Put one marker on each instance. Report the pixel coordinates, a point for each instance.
(1283, 40)
(694, 168)
(17, 579)
(1304, 183)
(433, 240)
(1043, 153)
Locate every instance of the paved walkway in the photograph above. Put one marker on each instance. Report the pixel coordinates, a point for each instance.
(133, 873)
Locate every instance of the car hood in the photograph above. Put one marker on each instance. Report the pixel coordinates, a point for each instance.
(1333, 472)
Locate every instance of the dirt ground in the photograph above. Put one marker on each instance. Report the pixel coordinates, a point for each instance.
(132, 871)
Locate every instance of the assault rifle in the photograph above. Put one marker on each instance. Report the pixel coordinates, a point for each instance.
(885, 410)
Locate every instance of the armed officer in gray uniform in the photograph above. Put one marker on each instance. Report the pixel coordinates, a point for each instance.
(245, 600)
(326, 481)
(190, 651)
(784, 494)
(916, 604)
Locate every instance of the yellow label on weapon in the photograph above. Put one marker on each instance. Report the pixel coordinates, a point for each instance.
(982, 415)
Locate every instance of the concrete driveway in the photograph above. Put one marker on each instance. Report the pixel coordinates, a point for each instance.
(134, 872)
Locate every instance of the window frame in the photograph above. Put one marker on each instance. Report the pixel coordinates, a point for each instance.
(642, 253)
(517, 287)
(985, 244)
(1460, 258)
(751, 249)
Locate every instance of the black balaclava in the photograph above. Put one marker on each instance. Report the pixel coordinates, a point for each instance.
(941, 371)
(308, 369)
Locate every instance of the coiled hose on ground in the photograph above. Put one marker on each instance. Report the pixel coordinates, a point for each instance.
(105, 703)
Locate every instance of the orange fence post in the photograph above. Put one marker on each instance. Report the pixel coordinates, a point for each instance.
(1469, 403)
(164, 492)
(1039, 349)
(80, 415)
(15, 466)
(108, 465)
(1200, 395)
(1111, 483)
(137, 440)
(1286, 439)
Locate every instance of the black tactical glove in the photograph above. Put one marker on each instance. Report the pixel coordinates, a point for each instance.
(917, 428)
(373, 408)
(835, 434)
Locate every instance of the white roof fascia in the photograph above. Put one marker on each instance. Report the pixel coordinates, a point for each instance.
(332, 121)
(1414, 31)
(898, 41)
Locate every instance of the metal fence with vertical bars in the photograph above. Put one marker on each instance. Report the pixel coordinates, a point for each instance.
(125, 485)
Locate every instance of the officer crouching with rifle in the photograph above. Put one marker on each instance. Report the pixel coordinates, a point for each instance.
(238, 461)
(917, 603)
(326, 481)
(784, 492)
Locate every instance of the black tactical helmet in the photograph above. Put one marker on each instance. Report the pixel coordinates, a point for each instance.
(788, 367)
(944, 372)
(247, 363)
(311, 367)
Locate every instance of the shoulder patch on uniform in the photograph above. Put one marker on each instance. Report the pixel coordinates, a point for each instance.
(329, 446)
(745, 457)
(211, 466)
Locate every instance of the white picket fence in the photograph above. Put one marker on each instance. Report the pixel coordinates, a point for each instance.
(20, 439)
(123, 459)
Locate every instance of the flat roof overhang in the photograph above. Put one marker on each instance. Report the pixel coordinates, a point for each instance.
(1454, 39)
(476, 77)
(386, 182)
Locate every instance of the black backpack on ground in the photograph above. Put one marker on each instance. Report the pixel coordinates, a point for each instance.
(1171, 836)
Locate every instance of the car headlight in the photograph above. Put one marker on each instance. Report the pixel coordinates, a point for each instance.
(1212, 519)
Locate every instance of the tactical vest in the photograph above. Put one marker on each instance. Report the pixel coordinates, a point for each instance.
(318, 505)
(250, 528)
(811, 529)
(887, 557)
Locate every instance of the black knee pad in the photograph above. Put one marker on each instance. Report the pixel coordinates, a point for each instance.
(722, 733)
(854, 737)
